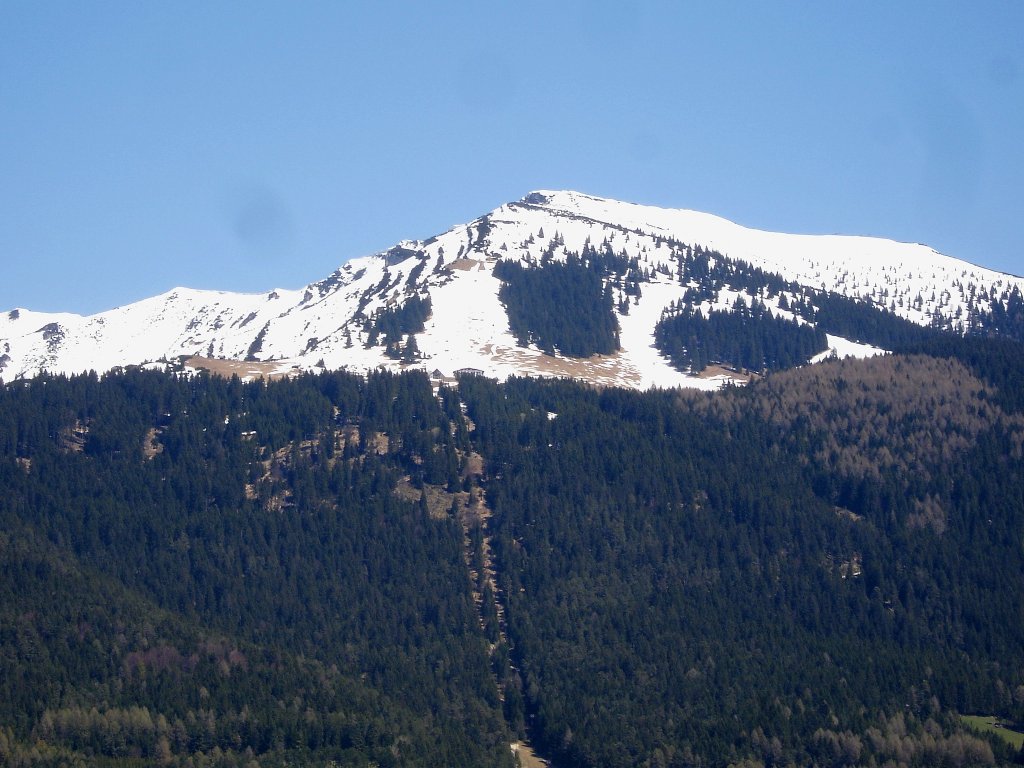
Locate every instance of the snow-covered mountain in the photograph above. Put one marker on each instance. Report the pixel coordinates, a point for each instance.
(337, 322)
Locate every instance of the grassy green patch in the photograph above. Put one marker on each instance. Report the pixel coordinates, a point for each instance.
(992, 724)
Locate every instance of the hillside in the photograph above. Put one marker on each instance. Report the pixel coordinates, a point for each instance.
(657, 297)
(823, 568)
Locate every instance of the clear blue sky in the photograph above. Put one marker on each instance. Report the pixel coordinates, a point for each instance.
(252, 145)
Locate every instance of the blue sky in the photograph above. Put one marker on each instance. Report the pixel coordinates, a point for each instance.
(247, 146)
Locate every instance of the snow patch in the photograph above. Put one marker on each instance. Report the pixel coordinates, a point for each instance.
(839, 347)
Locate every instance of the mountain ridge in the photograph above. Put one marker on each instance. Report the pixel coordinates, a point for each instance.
(330, 323)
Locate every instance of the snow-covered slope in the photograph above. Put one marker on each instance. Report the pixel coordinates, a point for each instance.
(909, 279)
(328, 323)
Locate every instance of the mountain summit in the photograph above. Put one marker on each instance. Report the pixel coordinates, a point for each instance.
(556, 284)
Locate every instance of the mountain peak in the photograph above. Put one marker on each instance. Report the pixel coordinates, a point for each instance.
(444, 303)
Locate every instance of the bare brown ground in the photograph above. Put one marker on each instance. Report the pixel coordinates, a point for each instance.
(152, 445)
(713, 371)
(474, 464)
(439, 501)
(465, 265)
(603, 370)
(72, 438)
(241, 368)
(524, 753)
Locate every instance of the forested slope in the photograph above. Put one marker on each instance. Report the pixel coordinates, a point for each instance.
(822, 568)
(197, 567)
(771, 573)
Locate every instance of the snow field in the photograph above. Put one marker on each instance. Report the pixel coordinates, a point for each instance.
(468, 328)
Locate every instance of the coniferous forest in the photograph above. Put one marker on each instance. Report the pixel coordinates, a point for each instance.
(746, 337)
(560, 306)
(822, 568)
